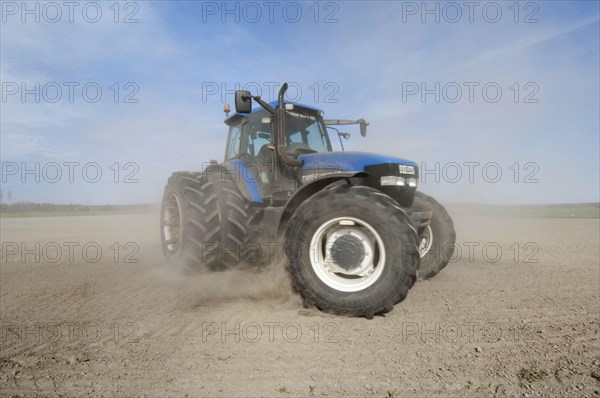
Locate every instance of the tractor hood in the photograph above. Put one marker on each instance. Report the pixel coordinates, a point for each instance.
(348, 161)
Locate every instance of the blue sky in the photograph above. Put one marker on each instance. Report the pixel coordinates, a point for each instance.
(361, 63)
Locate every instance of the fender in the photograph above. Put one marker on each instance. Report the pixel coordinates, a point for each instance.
(244, 178)
(276, 217)
(238, 172)
(307, 190)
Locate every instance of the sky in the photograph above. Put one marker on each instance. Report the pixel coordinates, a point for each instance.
(498, 102)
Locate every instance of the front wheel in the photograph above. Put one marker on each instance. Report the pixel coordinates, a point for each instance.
(437, 241)
(351, 251)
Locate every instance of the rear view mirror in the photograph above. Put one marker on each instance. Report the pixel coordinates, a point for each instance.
(243, 101)
(363, 127)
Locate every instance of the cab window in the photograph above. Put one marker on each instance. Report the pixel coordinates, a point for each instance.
(315, 138)
(233, 145)
(305, 133)
(257, 133)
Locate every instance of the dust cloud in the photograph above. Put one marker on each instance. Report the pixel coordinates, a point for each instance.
(268, 283)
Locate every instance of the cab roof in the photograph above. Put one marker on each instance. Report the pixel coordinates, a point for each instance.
(259, 108)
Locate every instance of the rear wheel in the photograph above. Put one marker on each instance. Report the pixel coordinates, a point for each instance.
(351, 250)
(203, 222)
(437, 241)
(260, 251)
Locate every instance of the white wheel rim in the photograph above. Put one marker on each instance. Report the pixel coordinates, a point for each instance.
(426, 241)
(370, 250)
(172, 224)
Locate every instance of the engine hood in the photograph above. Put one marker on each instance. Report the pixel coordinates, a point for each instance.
(348, 161)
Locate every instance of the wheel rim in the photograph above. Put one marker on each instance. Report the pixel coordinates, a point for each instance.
(426, 241)
(172, 224)
(347, 254)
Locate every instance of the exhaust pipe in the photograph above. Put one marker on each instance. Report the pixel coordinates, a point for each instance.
(280, 131)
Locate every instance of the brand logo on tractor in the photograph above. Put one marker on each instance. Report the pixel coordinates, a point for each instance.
(312, 177)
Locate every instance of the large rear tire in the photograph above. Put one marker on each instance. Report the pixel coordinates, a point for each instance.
(438, 240)
(203, 222)
(352, 251)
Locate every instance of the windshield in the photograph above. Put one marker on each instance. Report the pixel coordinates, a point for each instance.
(305, 133)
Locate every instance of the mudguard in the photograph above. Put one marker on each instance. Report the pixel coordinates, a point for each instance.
(275, 222)
(239, 172)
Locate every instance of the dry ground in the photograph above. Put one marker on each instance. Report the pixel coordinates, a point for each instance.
(524, 325)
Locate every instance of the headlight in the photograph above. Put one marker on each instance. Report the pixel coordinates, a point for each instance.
(393, 181)
(398, 181)
(404, 169)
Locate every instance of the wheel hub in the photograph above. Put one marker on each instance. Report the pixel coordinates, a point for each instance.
(348, 252)
(172, 224)
(426, 241)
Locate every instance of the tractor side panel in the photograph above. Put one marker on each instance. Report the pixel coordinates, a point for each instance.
(245, 178)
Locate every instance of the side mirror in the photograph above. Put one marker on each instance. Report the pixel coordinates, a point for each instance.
(363, 127)
(345, 136)
(243, 101)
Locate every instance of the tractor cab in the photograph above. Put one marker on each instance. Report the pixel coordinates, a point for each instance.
(251, 136)
(251, 144)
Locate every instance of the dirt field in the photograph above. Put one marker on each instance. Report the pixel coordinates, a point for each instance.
(76, 321)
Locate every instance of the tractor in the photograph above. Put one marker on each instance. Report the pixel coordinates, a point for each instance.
(351, 227)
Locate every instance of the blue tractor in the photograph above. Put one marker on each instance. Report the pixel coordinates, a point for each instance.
(351, 227)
